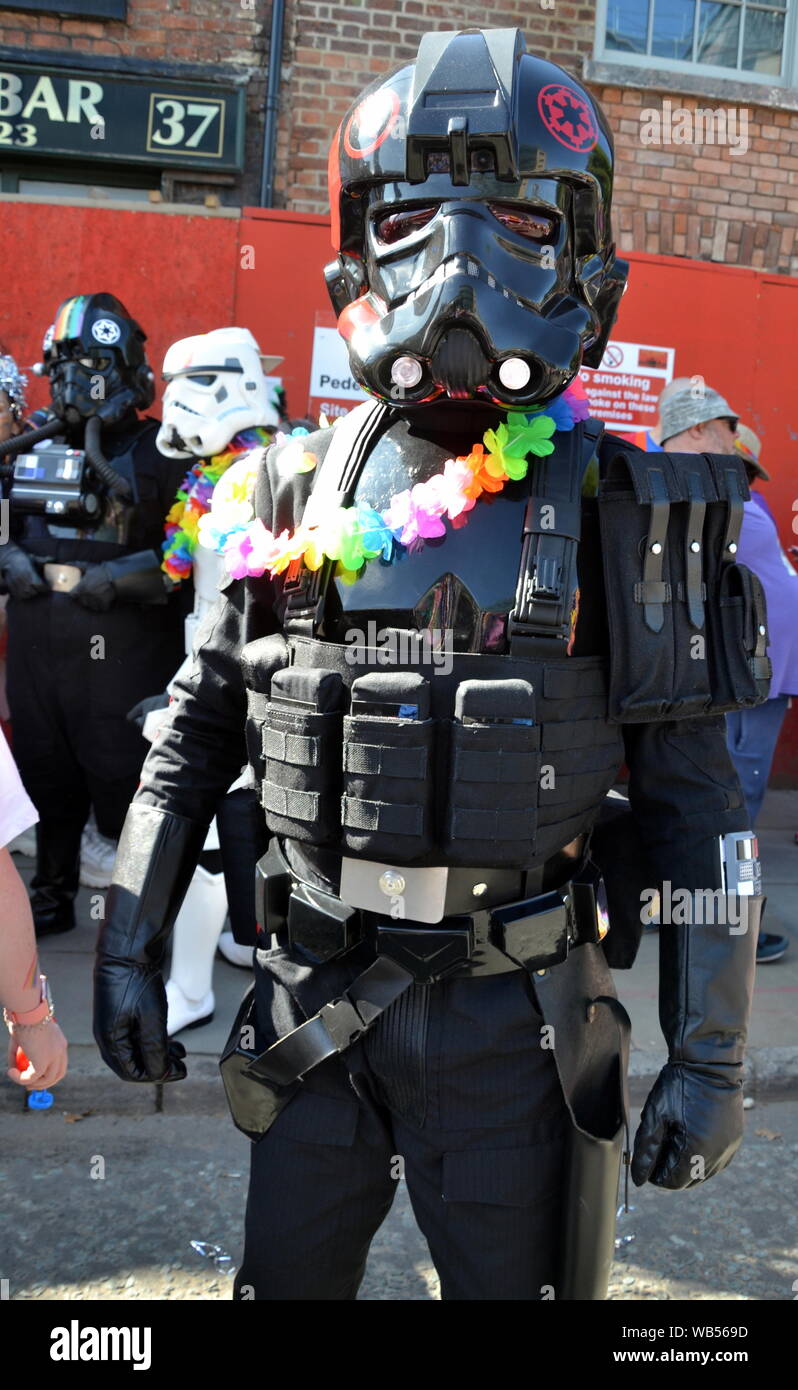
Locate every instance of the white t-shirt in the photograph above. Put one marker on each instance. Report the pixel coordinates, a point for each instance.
(17, 811)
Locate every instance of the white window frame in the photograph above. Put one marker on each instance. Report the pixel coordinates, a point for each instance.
(654, 64)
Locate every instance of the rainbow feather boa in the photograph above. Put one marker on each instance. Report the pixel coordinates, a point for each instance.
(193, 501)
(353, 535)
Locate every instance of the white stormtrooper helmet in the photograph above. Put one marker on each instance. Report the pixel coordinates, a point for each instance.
(216, 388)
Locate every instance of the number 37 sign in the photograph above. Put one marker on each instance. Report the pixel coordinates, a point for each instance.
(119, 116)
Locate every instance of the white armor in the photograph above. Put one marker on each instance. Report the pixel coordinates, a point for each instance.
(216, 388)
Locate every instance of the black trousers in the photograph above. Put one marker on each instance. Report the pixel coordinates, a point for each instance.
(456, 1090)
(72, 677)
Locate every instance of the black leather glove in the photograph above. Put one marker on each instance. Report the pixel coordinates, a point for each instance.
(136, 578)
(157, 855)
(692, 1121)
(20, 577)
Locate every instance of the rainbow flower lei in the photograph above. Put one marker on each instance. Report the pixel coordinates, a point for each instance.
(193, 501)
(353, 535)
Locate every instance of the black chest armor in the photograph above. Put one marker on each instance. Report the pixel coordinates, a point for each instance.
(463, 583)
(358, 744)
(360, 766)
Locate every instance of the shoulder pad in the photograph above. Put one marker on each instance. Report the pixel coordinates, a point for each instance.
(283, 483)
(283, 459)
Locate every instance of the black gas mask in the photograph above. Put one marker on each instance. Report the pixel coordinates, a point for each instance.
(470, 196)
(96, 364)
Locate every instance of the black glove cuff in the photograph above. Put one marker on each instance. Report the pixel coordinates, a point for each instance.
(157, 856)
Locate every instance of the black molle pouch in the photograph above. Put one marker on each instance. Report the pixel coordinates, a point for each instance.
(259, 661)
(302, 754)
(736, 613)
(494, 768)
(652, 510)
(386, 808)
(742, 669)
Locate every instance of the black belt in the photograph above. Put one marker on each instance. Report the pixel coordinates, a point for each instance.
(531, 935)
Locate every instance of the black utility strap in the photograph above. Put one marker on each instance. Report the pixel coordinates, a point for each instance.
(735, 498)
(336, 1026)
(694, 549)
(334, 480)
(760, 662)
(540, 623)
(653, 592)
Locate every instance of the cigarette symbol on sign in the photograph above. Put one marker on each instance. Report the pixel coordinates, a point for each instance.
(613, 357)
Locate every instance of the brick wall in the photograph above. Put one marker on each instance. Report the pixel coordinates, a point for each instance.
(335, 50)
(196, 31)
(705, 203)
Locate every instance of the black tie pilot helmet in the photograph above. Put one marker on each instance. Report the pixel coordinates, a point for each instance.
(470, 197)
(96, 361)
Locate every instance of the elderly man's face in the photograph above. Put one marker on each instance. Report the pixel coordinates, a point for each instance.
(720, 436)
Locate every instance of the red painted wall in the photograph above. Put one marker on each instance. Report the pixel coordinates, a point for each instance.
(175, 274)
(187, 274)
(279, 296)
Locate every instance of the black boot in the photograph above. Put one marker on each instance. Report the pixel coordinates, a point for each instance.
(55, 882)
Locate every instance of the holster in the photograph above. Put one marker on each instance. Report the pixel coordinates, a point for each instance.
(591, 1030)
(590, 1196)
(254, 1100)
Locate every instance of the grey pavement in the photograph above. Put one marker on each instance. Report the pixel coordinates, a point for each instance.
(180, 1175)
(773, 1039)
(106, 1205)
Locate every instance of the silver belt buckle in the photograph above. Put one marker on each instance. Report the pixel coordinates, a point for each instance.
(395, 890)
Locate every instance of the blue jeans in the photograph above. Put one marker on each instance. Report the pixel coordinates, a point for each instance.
(752, 735)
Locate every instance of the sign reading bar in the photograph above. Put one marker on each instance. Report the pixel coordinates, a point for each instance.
(117, 116)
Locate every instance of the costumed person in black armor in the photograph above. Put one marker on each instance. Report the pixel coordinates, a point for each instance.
(92, 621)
(454, 616)
(218, 410)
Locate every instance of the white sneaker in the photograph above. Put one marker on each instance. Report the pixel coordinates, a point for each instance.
(233, 952)
(97, 858)
(24, 844)
(186, 1013)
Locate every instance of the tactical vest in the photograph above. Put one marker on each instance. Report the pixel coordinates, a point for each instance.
(505, 758)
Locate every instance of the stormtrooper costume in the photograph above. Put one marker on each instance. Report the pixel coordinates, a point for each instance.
(216, 397)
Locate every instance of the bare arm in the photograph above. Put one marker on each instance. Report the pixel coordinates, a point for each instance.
(43, 1044)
